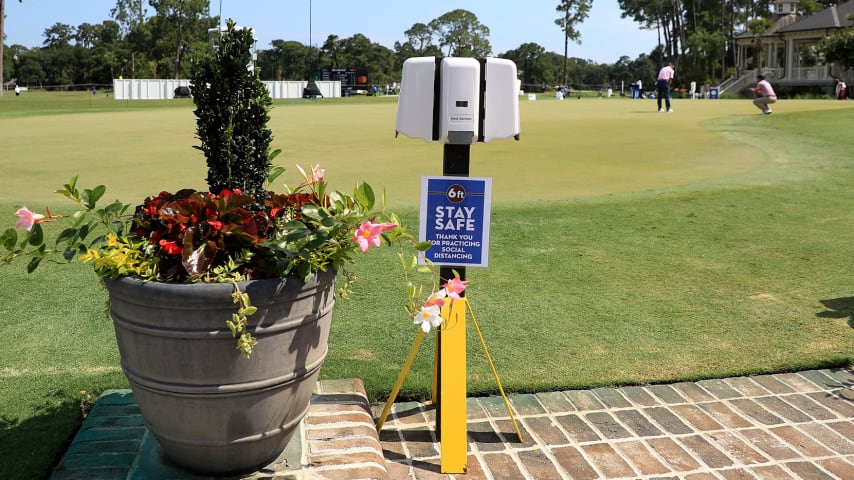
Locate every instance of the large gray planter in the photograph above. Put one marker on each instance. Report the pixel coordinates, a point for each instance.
(213, 410)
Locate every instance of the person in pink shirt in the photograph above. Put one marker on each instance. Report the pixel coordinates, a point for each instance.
(662, 85)
(765, 95)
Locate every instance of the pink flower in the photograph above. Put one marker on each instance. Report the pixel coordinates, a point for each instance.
(455, 287)
(367, 235)
(27, 218)
(317, 172)
(436, 299)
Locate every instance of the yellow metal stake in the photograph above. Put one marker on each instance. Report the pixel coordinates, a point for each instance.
(400, 378)
(452, 388)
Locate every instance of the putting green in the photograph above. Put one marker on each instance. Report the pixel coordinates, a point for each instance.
(573, 148)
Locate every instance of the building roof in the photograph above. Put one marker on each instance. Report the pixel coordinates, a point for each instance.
(829, 18)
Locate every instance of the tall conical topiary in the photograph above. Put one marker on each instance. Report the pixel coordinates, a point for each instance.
(232, 110)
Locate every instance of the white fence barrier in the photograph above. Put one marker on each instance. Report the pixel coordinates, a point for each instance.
(160, 89)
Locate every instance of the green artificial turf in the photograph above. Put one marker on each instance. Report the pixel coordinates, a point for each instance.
(627, 246)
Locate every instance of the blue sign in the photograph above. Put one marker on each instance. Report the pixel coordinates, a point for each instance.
(455, 219)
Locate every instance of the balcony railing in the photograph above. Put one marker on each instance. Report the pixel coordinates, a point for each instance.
(821, 72)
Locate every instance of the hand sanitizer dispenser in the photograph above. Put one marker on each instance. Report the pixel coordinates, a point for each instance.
(458, 100)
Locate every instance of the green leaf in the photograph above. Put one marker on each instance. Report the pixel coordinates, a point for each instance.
(364, 195)
(9, 239)
(90, 197)
(34, 264)
(36, 236)
(275, 171)
(66, 236)
(423, 246)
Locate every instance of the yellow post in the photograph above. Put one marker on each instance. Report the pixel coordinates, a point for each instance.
(452, 366)
(400, 378)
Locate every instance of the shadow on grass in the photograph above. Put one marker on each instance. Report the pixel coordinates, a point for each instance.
(31, 446)
(839, 308)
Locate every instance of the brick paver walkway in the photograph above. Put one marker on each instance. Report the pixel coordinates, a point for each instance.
(775, 427)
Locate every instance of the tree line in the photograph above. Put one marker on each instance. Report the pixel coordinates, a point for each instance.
(696, 35)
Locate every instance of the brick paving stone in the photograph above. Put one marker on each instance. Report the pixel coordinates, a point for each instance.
(696, 417)
(830, 438)
(546, 430)
(639, 396)
(420, 442)
(756, 411)
(844, 427)
(494, 406)
(838, 467)
(483, 434)
(474, 470)
(701, 476)
(638, 423)
(538, 465)
(769, 444)
(611, 397)
(693, 392)
(555, 402)
(808, 406)
(571, 460)
(641, 457)
(526, 404)
(374, 473)
(845, 376)
(392, 446)
(835, 402)
(428, 471)
(799, 383)
(719, 388)
(398, 470)
(344, 443)
(666, 393)
(473, 410)
(772, 384)
(801, 442)
(819, 378)
(675, 456)
(409, 413)
(606, 425)
(746, 386)
(325, 430)
(502, 466)
(505, 427)
(346, 458)
(584, 400)
(808, 471)
(772, 472)
(667, 420)
(725, 415)
(609, 462)
(577, 429)
(783, 409)
(737, 448)
(708, 453)
(736, 474)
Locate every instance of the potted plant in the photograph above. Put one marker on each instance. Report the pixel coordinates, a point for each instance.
(222, 300)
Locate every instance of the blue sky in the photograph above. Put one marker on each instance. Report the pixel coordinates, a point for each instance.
(604, 35)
